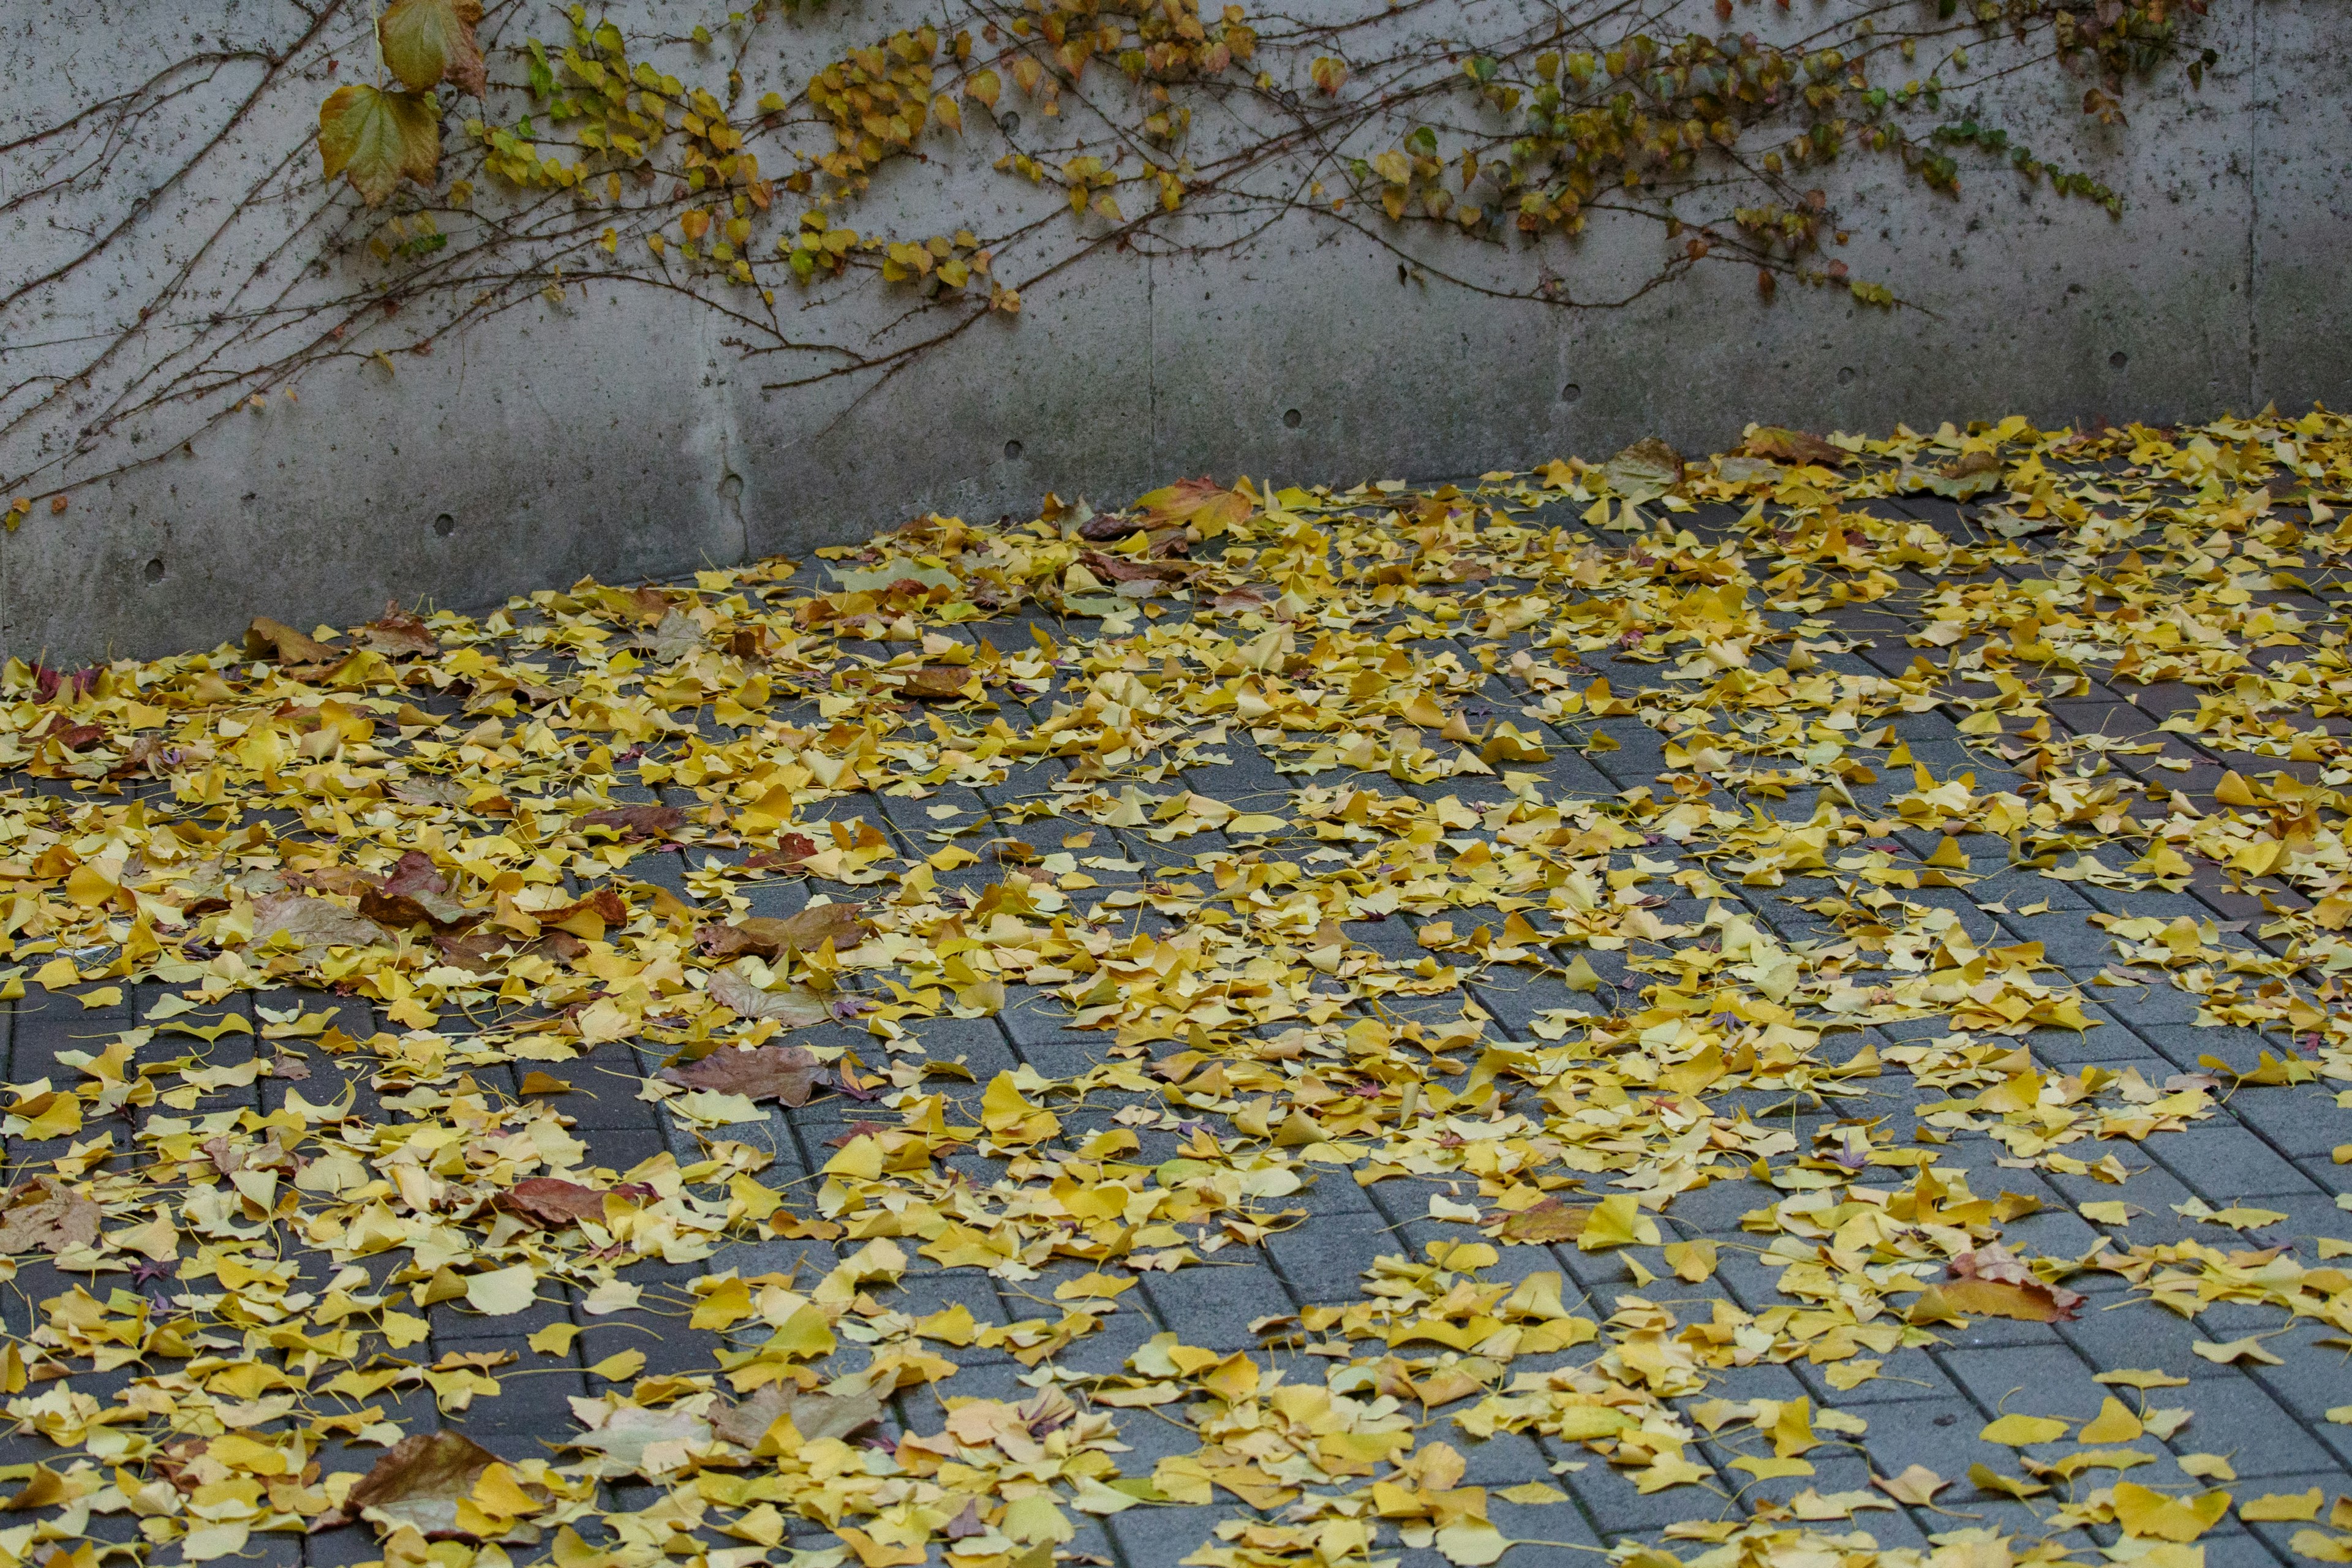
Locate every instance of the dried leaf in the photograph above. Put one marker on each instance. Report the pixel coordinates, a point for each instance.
(843, 925)
(636, 822)
(795, 1007)
(45, 1215)
(315, 924)
(398, 632)
(815, 1417)
(417, 1483)
(781, 1073)
(265, 638)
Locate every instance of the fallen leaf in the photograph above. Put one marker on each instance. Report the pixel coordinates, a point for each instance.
(45, 1215)
(814, 1416)
(314, 924)
(416, 1483)
(265, 638)
(781, 1073)
(843, 925)
(795, 1007)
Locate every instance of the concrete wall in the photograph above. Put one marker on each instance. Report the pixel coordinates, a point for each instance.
(617, 434)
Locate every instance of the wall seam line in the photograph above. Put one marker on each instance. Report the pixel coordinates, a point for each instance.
(2255, 110)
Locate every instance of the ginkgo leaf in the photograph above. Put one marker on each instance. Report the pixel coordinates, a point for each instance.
(2020, 1431)
(502, 1292)
(430, 41)
(374, 138)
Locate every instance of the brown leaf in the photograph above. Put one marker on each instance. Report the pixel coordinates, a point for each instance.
(781, 1073)
(814, 1416)
(47, 1216)
(275, 639)
(791, 849)
(935, 682)
(1547, 1221)
(1784, 445)
(1137, 579)
(634, 822)
(349, 880)
(1108, 526)
(553, 1203)
(315, 924)
(794, 1006)
(802, 933)
(416, 893)
(398, 632)
(605, 904)
(418, 1482)
(1645, 470)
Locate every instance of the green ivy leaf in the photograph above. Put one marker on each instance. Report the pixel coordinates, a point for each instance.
(371, 137)
(428, 41)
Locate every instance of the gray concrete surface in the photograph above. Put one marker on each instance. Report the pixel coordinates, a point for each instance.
(618, 433)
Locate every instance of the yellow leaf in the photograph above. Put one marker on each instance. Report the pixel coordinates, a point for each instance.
(555, 1339)
(497, 1492)
(2023, 1431)
(373, 138)
(1617, 1222)
(1692, 1261)
(2114, 1424)
(2281, 1508)
(401, 1329)
(620, 1366)
(502, 1292)
(2151, 1515)
(1764, 1470)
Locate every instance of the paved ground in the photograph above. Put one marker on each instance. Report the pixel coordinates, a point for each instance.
(2270, 1147)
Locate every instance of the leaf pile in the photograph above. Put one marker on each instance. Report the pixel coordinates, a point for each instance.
(1607, 834)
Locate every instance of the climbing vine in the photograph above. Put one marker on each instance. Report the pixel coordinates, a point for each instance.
(766, 163)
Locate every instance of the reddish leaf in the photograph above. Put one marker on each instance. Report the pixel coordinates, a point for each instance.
(791, 849)
(604, 903)
(554, 1203)
(416, 893)
(635, 822)
(399, 632)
